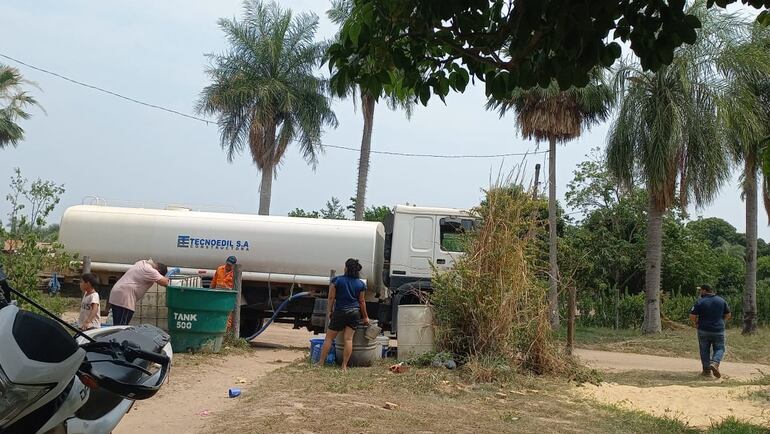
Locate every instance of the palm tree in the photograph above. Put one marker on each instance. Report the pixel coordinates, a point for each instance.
(745, 114)
(13, 105)
(265, 91)
(666, 133)
(338, 14)
(557, 116)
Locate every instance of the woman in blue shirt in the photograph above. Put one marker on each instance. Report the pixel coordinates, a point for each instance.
(347, 309)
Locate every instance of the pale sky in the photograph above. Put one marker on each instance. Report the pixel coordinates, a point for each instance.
(99, 145)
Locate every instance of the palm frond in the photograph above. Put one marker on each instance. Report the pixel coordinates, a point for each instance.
(545, 113)
(14, 105)
(671, 125)
(264, 88)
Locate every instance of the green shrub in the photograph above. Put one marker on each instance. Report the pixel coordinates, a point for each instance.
(597, 308)
(492, 304)
(677, 307)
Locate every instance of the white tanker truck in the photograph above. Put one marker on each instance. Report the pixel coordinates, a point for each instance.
(279, 256)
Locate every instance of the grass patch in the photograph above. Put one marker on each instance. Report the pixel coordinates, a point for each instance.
(733, 426)
(675, 343)
(646, 378)
(298, 398)
(58, 304)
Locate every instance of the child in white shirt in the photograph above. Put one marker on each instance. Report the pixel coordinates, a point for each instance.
(90, 317)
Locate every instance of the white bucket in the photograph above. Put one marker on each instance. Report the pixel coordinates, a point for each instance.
(415, 330)
(384, 343)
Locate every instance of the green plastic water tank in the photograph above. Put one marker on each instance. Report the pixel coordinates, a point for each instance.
(197, 317)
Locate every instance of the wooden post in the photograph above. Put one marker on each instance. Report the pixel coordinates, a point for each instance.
(86, 264)
(332, 273)
(537, 181)
(237, 311)
(571, 319)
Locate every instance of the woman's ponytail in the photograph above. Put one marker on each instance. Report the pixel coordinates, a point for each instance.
(353, 268)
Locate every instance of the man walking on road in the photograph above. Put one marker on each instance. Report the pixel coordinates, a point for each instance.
(709, 314)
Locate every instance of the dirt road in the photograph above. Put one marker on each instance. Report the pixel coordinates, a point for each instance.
(198, 384)
(699, 405)
(619, 362)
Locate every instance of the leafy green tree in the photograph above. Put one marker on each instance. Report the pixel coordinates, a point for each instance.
(688, 260)
(435, 46)
(550, 114)
(372, 213)
(14, 103)
(299, 212)
(30, 205)
(601, 252)
(376, 213)
(715, 231)
(265, 90)
(666, 135)
(333, 210)
(745, 112)
(763, 268)
(763, 249)
(395, 98)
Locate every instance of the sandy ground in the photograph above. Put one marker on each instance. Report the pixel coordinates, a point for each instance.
(197, 387)
(619, 362)
(700, 406)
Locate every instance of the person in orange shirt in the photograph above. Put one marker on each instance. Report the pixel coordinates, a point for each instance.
(223, 277)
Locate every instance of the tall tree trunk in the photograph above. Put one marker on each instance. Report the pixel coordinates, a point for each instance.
(367, 107)
(617, 298)
(266, 163)
(750, 288)
(553, 280)
(571, 306)
(652, 276)
(265, 190)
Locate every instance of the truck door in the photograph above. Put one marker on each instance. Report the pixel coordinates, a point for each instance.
(450, 233)
(421, 246)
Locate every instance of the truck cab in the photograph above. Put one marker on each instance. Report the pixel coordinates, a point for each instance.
(421, 239)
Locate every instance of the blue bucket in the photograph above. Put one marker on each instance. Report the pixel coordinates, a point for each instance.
(315, 351)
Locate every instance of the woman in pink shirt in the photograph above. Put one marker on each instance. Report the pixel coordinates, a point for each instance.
(130, 288)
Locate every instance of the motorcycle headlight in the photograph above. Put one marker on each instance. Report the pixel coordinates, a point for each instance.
(14, 398)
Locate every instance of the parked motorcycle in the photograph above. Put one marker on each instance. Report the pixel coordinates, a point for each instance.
(52, 382)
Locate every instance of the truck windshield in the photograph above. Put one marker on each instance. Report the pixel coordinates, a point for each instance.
(453, 232)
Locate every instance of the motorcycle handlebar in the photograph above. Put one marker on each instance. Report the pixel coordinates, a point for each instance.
(126, 352)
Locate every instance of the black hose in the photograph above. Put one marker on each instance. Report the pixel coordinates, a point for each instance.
(275, 314)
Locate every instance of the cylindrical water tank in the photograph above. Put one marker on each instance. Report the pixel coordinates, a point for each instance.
(415, 330)
(203, 240)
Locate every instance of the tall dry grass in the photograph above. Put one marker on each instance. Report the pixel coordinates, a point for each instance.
(492, 305)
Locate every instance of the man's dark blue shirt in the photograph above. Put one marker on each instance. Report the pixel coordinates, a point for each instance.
(711, 310)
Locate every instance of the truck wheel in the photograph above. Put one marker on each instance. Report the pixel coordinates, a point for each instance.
(251, 325)
(405, 294)
(408, 290)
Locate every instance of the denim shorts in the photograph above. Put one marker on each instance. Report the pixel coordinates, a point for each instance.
(345, 318)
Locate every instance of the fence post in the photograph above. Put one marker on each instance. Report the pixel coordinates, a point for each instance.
(537, 181)
(571, 319)
(86, 264)
(237, 310)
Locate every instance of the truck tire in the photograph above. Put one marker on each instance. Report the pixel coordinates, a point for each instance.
(405, 295)
(251, 324)
(406, 289)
